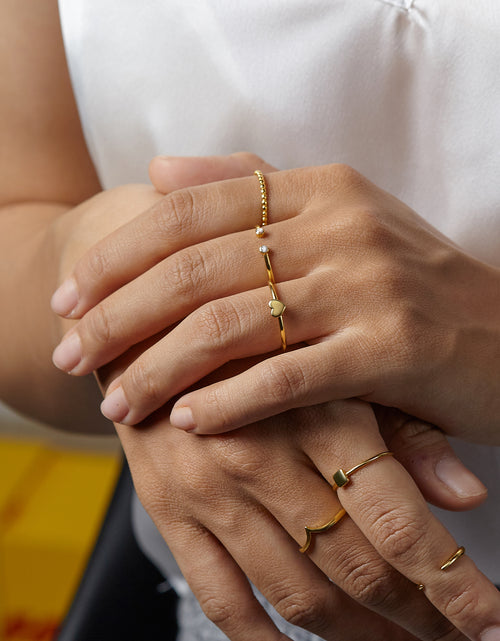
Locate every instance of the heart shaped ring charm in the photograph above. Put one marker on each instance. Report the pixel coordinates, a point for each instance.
(277, 308)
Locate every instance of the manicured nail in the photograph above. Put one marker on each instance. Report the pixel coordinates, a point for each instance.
(65, 299)
(493, 634)
(115, 406)
(458, 478)
(182, 417)
(68, 353)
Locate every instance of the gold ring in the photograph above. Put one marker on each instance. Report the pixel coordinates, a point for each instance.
(322, 528)
(259, 230)
(277, 307)
(460, 552)
(341, 478)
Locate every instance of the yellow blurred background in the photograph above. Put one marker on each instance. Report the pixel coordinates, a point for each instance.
(54, 491)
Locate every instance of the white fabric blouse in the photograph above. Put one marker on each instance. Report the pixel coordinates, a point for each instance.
(405, 91)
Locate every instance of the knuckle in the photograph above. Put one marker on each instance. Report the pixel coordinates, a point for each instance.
(142, 381)
(220, 404)
(397, 534)
(247, 159)
(99, 325)
(96, 265)
(219, 609)
(184, 273)
(464, 605)
(346, 174)
(370, 584)
(173, 214)
(287, 382)
(219, 322)
(305, 608)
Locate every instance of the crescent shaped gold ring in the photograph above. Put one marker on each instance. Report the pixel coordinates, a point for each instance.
(321, 528)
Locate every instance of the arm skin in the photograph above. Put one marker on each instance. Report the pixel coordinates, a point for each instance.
(45, 170)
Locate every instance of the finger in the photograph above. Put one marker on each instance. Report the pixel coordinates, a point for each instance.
(343, 552)
(183, 218)
(219, 585)
(173, 289)
(386, 505)
(231, 328)
(334, 369)
(430, 460)
(169, 173)
(296, 588)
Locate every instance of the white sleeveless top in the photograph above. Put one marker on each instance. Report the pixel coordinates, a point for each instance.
(405, 91)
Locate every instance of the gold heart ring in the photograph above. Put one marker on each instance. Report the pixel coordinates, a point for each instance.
(277, 307)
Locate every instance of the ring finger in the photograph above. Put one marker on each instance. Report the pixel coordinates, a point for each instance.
(225, 330)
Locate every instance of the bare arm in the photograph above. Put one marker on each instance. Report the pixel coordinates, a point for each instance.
(45, 170)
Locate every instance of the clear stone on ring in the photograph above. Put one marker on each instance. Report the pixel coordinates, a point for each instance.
(264, 249)
(259, 231)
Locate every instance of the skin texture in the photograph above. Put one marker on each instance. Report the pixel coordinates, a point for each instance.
(355, 422)
(381, 306)
(52, 213)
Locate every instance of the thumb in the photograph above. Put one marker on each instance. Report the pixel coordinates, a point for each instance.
(427, 455)
(169, 173)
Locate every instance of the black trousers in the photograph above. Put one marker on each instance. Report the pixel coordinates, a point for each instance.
(120, 597)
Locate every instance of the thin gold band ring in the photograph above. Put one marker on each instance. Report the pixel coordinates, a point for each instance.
(342, 478)
(460, 552)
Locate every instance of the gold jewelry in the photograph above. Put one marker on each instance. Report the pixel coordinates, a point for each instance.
(341, 478)
(460, 552)
(277, 307)
(322, 528)
(263, 193)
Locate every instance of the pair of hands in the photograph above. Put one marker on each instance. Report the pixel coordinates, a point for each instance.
(388, 309)
(241, 502)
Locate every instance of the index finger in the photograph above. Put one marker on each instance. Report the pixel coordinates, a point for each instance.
(183, 218)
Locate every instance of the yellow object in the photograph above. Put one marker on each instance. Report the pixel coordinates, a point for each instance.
(341, 478)
(321, 528)
(460, 552)
(51, 506)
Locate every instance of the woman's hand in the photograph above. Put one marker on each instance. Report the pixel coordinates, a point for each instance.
(235, 506)
(379, 306)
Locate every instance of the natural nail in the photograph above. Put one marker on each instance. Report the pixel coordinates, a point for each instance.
(458, 478)
(493, 634)
(65, 299)
(182, 417)
(115, 406)
(68, 353)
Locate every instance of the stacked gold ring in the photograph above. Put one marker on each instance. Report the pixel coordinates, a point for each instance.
(342, 478)
(277, 307)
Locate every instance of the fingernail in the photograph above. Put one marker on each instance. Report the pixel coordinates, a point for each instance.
(68, 353)
(182, 417)
(65, 298)
(458, 478)
(493, 634)
(115, 406)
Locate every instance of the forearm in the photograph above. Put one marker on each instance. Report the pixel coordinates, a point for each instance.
(31, 240)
